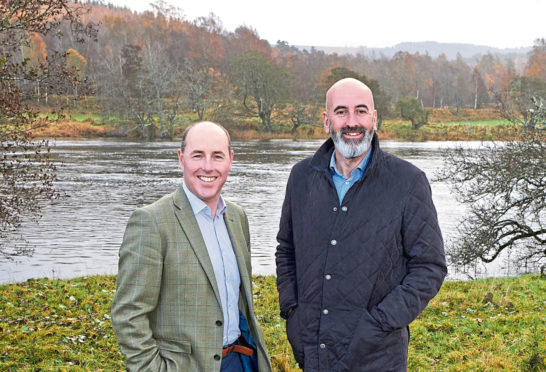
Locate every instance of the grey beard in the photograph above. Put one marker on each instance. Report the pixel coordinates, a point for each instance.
(351, 149)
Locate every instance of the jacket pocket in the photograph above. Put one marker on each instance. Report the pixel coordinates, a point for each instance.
(175, 354)
(174, 346)
(373, 349)
(294, 336)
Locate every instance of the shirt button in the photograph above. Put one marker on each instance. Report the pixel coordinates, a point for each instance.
(344, 208)
(346, 182)
(333, 242)
(322, 346)
(218, 323)
(325, 311)
(217, 357)
(335, 209)
(328, 276)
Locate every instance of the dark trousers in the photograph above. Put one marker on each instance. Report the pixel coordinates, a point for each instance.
(231, 363)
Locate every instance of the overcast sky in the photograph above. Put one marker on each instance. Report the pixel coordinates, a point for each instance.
(377, 23)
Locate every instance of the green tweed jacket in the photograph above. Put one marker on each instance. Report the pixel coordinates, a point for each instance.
(166, 312)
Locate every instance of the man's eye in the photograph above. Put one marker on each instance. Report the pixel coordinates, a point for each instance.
(362, 112)
(341, 112)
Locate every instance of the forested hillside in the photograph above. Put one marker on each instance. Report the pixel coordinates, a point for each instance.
(147, 68)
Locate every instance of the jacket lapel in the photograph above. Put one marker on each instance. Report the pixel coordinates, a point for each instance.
(239, 248)
(189, 225)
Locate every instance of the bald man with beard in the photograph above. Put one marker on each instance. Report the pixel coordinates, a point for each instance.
(360, 252)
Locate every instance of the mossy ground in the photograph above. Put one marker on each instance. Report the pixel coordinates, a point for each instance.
(494, 324)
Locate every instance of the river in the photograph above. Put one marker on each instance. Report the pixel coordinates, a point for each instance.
(103, 181)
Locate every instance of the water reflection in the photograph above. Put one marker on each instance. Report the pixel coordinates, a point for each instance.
(105, 180)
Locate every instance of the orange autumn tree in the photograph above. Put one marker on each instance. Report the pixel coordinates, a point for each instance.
(77, 66)
(536, 65)
(35, 51)
(76, 63)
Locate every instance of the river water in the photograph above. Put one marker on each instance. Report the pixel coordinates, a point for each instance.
(105, 180)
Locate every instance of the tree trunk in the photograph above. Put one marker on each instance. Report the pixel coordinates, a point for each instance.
(266, 120)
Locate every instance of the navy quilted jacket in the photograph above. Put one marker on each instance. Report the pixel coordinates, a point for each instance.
(358, 273)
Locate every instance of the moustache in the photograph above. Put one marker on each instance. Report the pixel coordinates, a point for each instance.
(348, 129)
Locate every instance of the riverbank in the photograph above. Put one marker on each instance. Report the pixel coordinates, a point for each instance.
(391, 130)
(487, 325)
(444, 125)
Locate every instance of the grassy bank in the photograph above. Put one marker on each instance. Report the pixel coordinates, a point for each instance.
(485, 325)
(444, 125)
(482, 130)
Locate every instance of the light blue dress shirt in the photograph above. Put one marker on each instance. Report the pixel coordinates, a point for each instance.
(343, 184)
(224, 262)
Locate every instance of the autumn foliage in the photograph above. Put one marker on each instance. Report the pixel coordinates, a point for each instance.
(29, 72)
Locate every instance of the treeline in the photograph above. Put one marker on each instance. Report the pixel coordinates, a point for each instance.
(145, 69)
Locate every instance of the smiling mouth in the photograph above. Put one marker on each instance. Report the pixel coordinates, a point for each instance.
(206, 179)
(352, 134)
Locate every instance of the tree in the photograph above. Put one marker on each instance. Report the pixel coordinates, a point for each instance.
(536, 65)
(412, 110)
(402, 74)
(244, 40)
(158, 86)
(306, 100)
(77, 66)
(36, 51)
(520, 103)
(504, 187)
(76, 63)
(26, 171)
(479, 89)
(262, 85)
(36, 55)
(203, 87)
(135, 91)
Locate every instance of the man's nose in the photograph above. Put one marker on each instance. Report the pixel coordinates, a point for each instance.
(352, 119)
(207, 163)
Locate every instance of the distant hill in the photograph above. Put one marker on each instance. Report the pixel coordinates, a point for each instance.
(432, 48)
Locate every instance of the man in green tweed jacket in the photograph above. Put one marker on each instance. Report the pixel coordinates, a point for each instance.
(184, 291)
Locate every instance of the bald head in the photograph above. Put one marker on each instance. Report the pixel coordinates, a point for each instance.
(206, 124)
(349, 86)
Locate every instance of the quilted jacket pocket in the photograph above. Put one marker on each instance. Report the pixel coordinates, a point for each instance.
(375, 348)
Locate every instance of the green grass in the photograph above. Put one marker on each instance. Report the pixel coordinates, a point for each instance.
(481, 130)
(485, 325)
(486, 123)
(82, 117)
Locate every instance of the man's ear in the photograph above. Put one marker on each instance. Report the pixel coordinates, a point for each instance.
(180, 162)
(326, 122)
(230, 159)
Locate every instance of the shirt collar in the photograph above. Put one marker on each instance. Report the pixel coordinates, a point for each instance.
(359, 168)
(197, 205)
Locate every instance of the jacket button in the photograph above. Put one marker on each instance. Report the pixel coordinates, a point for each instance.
(335, 209)
(333, 242)
(328, 276)
(344, 208)
(325, 311)
(217, 357)
(218, 323)
(322, 346)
